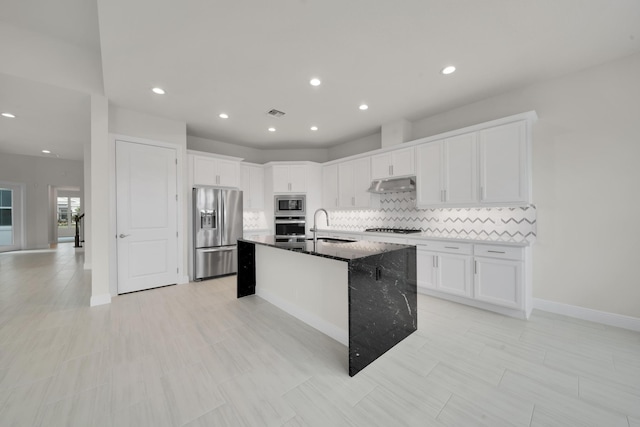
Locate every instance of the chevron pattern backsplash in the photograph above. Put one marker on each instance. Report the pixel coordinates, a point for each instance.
(398, 210)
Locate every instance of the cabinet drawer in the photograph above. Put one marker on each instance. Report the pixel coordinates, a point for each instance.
(497, 251)
(448, 247)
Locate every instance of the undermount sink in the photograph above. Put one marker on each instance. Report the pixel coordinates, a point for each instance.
(333, 240)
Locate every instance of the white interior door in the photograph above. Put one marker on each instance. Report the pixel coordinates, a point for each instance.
(146, 216)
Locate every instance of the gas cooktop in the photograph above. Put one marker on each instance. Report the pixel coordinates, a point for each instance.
(395, 230)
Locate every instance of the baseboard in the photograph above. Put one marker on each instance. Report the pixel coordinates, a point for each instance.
(100, 300)
(183, 280)
(611, 319)
(338, 334)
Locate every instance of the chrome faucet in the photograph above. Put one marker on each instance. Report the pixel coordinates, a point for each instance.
(315, 227)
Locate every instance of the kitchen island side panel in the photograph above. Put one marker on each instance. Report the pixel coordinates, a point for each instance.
(246, 279)
(382, 304)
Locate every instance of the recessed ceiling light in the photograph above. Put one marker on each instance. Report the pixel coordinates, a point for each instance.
(314, 128)
(448, 70)
(46, 151)
(158, 91)
(363, 107)
(223, 115)
(9, 115)
(315, 82)
(272, 129)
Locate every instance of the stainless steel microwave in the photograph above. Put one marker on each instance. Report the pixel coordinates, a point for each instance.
(290, 205)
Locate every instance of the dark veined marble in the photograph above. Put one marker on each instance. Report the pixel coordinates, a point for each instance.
(246, 269)
(382, 304)
(382, 290)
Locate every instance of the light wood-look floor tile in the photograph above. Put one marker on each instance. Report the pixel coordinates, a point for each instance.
(195, 355)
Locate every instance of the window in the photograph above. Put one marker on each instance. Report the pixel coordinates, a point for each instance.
(68, 208)
(6, 217)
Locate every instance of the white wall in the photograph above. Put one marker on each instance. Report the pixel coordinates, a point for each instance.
(586, 148)
(249, 154)
(362, 145)
(293, 155)
(37, 173)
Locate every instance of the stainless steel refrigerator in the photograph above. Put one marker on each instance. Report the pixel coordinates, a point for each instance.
(217, 226)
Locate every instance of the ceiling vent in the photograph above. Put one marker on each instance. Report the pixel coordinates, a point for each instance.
(275, 113)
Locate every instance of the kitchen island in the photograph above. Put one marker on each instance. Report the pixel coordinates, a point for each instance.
(361, 293)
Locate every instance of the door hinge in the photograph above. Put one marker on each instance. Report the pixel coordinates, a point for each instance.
(176, 234)
(176, 197)
(177, 271)
(176, 161)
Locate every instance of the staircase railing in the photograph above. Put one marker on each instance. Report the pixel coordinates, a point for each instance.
(79, 220)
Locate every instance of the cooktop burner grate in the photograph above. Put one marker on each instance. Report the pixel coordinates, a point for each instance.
(394, 230)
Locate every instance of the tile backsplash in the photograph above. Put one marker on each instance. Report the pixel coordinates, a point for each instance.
(399, 210)
(254, 220)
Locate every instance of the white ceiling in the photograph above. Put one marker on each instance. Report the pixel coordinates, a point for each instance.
(246, 57)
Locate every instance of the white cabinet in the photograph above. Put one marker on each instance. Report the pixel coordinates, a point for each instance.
(215, 171)
(354, 178)
(504, 174)
(252, 186)
(394, 163)
(429, 177)
(330, 186)
(492, 277)
(447, 172)
(460, 169)
(498, 281)
(289, 179)
(499, 275)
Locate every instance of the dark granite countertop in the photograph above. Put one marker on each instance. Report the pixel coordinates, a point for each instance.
(341, 251)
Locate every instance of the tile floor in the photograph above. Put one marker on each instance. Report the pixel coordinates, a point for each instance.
(194, 355)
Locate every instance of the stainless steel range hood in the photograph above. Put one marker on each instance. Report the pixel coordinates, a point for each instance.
(392, 185)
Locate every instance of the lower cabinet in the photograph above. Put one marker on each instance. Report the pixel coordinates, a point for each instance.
(498, 281)
(490, 276)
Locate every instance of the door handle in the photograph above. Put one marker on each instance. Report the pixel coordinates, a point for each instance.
(122, 236)
(223, 249)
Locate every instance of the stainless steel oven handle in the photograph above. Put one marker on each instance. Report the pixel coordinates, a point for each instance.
(225, 249)
(289, 221)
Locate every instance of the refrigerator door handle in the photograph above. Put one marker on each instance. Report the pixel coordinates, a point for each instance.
(223, 249)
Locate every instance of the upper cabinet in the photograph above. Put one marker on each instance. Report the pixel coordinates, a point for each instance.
(447, 171)
(330, 186)
(354, 178)
(504, 175)
(215, 171)
(488, 166)
(252, 186)
(394, 163)
(289, 179)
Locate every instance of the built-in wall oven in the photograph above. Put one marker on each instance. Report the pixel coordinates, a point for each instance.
(289, 212)
(290, 226)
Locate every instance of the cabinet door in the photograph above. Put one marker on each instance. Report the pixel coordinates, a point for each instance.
(298, 179)
(257, 188)
(346, 189)
(204, 171)
(281, 179)
(330, 186)
(426, 269)
(402, 162)
(245, 186)
(503, 164)
(498, 282)
(361, 182)
(381, 166)
(460, 169)
(454, 274)
(228, 173)
(429, 174)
